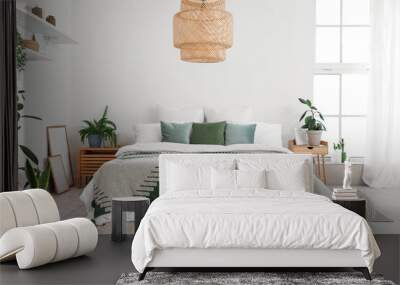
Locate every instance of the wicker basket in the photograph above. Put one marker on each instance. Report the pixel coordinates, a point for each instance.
(31, 44)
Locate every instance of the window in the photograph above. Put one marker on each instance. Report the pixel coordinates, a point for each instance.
(342, 52)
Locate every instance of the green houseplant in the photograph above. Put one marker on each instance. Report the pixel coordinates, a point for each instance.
(36, 178)
(313, 122)
(340, 147)
(98, 131)
(20, 54)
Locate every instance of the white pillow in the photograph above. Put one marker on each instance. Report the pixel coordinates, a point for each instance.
(148, 133)
(223, 179)
(190, 176)
(282, 174)
(237, 179)
(268, 134)
(251, 179)
(238, 114)
(180, 115)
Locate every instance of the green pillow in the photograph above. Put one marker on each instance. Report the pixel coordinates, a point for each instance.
(176, 133)
(208, 133)
(239, 134)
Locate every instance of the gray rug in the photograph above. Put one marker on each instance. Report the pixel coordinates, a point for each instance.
(243, 278)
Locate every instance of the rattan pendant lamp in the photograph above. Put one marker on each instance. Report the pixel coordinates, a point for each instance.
(203, 30)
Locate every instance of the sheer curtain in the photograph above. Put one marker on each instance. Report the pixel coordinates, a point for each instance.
(382, 165)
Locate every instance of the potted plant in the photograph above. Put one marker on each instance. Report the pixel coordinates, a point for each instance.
(340, 147)
(36, 178)
(313, 122)
(98, 131)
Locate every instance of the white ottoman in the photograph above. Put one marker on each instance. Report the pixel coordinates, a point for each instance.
(31, 232)
(37, 245)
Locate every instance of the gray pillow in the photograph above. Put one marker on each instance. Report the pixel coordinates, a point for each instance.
(239, 134)
(176, 133)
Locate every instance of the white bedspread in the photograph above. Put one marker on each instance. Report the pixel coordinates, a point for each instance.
(250, 219)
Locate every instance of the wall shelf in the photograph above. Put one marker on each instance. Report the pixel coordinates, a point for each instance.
(32, 55)
(34, 24)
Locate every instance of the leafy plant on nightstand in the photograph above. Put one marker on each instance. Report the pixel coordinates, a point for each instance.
(98, 131)
(340, 147)
(313, 122)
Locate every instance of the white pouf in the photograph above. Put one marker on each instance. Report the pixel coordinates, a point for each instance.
(31, 233)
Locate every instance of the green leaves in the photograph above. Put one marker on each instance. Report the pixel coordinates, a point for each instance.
(44, 178)
(31, 117)
(31, 176)
(28, 153)
(20, 54)
(302, 116)
(103, 127)
(21, 106)
(34, 176)
(311, 122)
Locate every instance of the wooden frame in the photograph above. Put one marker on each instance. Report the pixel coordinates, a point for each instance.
(52, 152)
(57, 165)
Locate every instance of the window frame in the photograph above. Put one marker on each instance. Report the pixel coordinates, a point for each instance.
(340, 68)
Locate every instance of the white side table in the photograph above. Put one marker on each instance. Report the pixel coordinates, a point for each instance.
(120, 205)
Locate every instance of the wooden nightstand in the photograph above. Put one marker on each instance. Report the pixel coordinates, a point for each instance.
(358, 206)
(317, 151)
(90, 159)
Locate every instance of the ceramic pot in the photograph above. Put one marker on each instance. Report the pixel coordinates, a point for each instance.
(95, 140)
(300, 136)
(314, 137)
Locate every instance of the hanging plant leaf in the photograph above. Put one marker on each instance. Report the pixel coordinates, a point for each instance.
(32, 117)
(30, 175)
(302, 116)
(45, 178)
(302, 100)
(29, 154)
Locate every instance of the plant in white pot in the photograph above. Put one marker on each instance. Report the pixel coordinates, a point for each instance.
(313, 122)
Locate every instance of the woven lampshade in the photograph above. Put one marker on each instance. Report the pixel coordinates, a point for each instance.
(203, 30)
(196, 4)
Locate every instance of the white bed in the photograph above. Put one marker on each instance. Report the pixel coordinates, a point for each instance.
(200, 226)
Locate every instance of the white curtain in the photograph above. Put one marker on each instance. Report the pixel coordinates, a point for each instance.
(382, 165)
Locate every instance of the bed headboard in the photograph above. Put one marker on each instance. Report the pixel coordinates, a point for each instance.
(271, 159)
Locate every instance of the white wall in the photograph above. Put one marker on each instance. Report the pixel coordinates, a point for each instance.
(125, 59)
(48, 83)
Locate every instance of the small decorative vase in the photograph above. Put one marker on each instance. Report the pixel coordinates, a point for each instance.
(95, 140)
(343, 156)
(300, 136)
(314, 137)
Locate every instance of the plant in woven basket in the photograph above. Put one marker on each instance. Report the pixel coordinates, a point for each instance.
(36, 178)
(97, 131)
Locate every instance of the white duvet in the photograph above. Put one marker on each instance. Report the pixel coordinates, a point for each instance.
(250, 219)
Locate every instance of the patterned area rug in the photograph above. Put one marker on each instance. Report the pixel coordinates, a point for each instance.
(244, 278)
